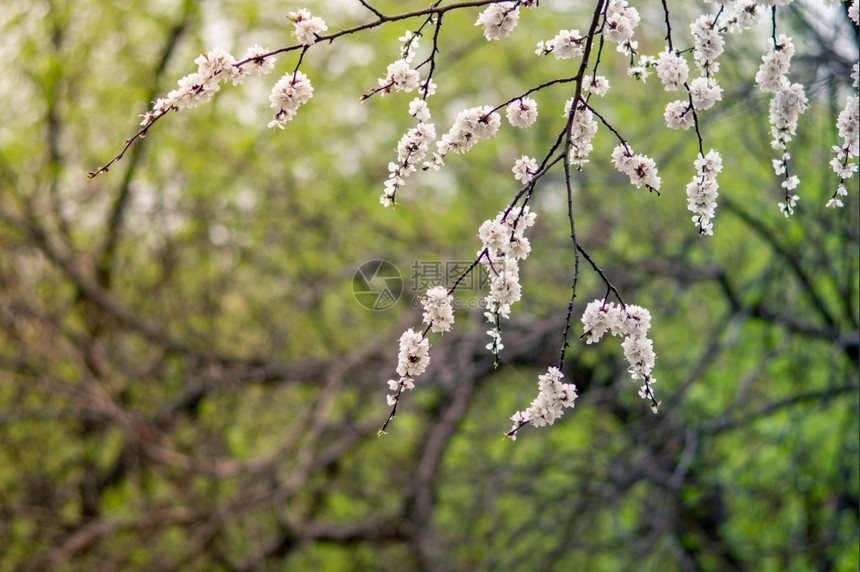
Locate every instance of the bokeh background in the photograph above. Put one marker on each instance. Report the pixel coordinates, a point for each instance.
(188, 383)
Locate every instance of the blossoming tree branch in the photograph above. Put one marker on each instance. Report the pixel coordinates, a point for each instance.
(688, 65)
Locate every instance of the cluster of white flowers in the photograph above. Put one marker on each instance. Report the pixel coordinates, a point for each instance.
(835, 201)
(620, 24)
(411, 150)
(414, 355)
(672, 70)
(399, 77)
(308, 26)
(412, 360)
(522, 112)
(702, 191)
(582, 131)
(503, 244)
(565, 45)
(771, 75)
(743, 15)
(709, 44)
(787, 207)
(218, 66)
(525, 168)
(438, 306)
(419, 110)
(553, 397)
(471, 125)
(848, 126)
(503, 236)
(705, 92)
(633, 323)
(640, 168)
(499, 19)
(292, 91)
(256, 64)
(640, 71)
(598, 85)
(679, 115)
(213, 68)
(408, 45)
(787, 104)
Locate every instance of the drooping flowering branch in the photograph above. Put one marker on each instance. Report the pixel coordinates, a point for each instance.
(503, 238)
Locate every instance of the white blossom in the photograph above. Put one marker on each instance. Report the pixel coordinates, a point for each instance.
(790, 183)
(215, 63)
(505, 285)
(427, 87)
(787, 208)
(522, 112)
(199, 87)
(770, 76)
(599, 318)
(835, 201)
(257, 64)
(702, 191)
(679, 114)
(414, 144)
(493, 234)
(413, 358)
(744, 15)
(397, 386)
(705, 92)
(503, 244)
(565, 45)
(438, 307)
(709, 44)
(307, 26)
(291, 91)
(637, 321)
(525, 168)
(411, 150)
(598, 85)
(848, 125)
(639, 352)
(499, 19)
(495, 344)
(710, 164)
(414, 355)
(621, 21)
(471, 125)
(640, 168)
(399, 76)
(549, 405)
(844, 170)
(419, 110)
(582, 131)
(786, 106)
(639, 72)
(409, 42)
(631, 322)
(672, 70)
(504, 235)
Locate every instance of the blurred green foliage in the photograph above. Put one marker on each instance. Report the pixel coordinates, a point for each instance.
(202, 391)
